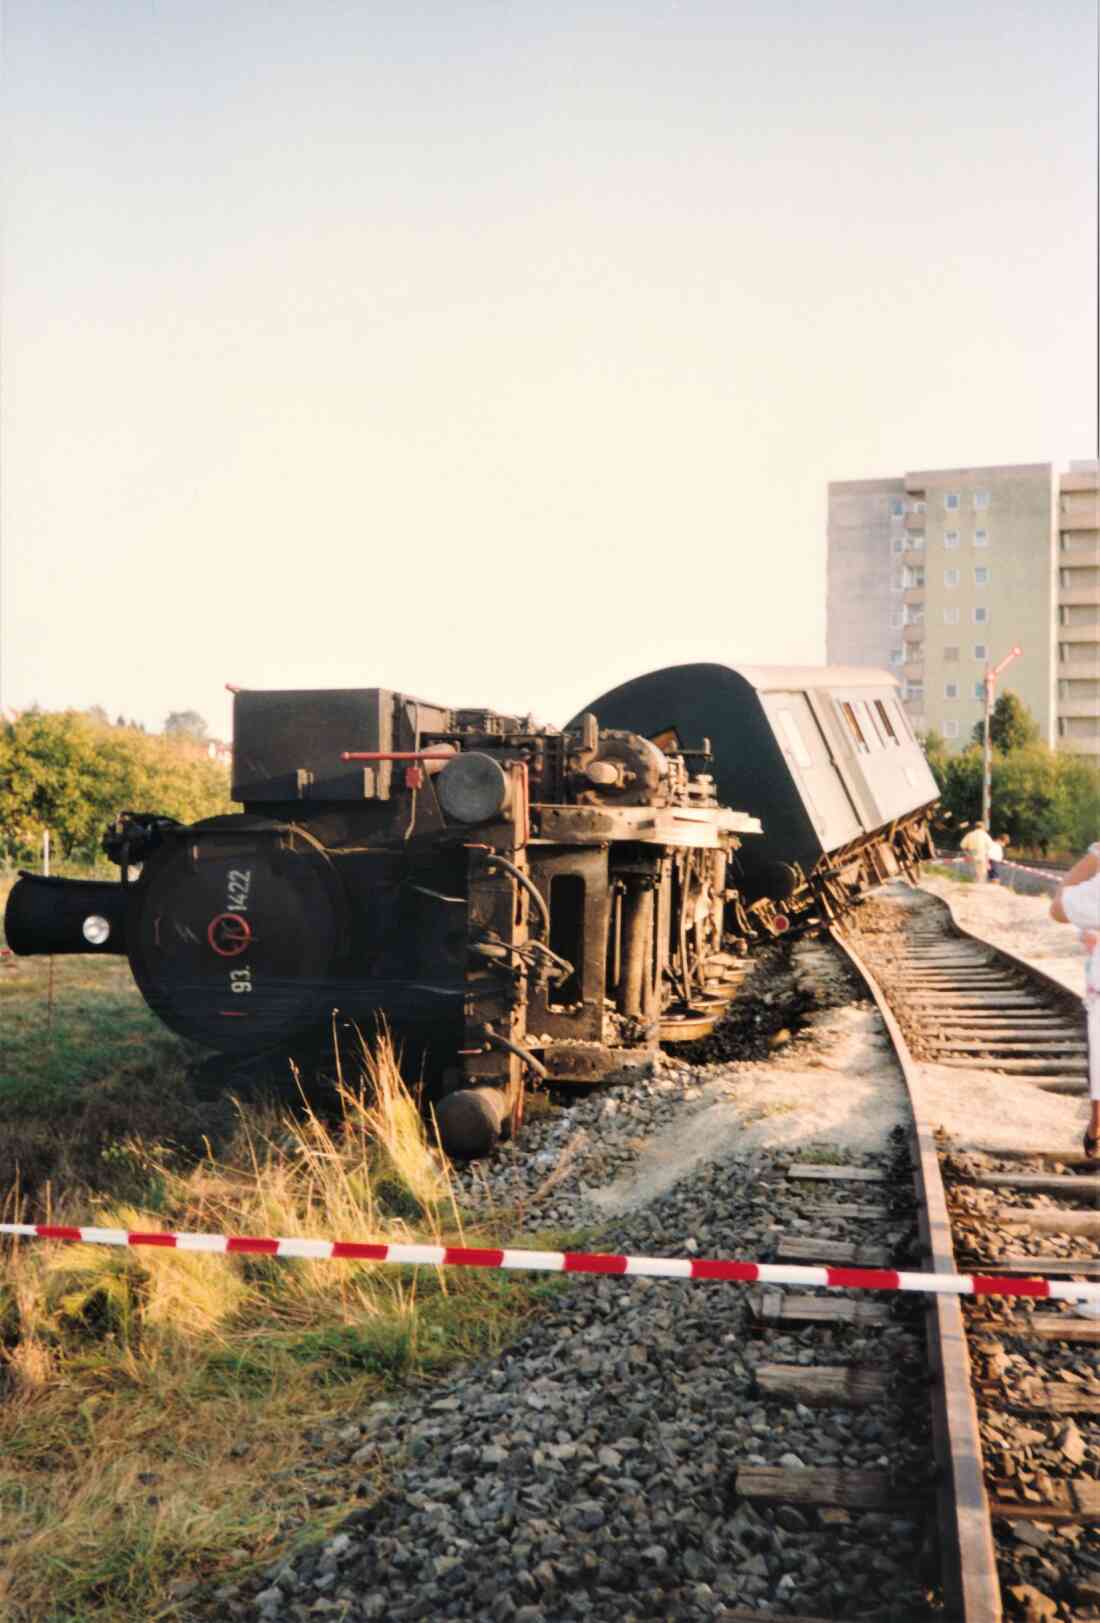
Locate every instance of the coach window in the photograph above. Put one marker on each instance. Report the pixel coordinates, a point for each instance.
(870, 725)
(887, 726)
(901, 721)
(854, 727)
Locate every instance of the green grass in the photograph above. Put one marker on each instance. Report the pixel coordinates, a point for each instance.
(84, 1067)
(155, 1404)
(940, 870)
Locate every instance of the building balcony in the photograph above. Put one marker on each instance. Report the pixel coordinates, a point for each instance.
(1081, 746)
(1078, 670)
(1081, 551)
(915, 521)
(1078, 709)
(913, 633)
(913, 597)
(1079, 595)
(1086, 633)
(913, 670)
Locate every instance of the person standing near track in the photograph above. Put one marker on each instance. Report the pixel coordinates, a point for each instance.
(976, 846)
(1078, 902)
(996, 857)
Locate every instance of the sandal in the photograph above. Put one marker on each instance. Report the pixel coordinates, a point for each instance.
(1091, 1146)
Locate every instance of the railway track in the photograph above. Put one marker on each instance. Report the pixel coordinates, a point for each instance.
(1016, 1389)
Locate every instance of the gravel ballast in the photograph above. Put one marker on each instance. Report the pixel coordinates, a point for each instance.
(590, 1471)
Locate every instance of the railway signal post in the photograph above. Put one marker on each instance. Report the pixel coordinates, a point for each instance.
(991, 674)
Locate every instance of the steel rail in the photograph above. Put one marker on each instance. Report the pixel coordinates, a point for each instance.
(971, 1585)
(1021, 965)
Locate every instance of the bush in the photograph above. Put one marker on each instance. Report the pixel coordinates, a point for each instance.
(71, 773)
(1078, 802)
(1039, 798)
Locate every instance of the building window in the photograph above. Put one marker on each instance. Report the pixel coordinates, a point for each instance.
(981, 498)
(914, 580)
(950, 617)
(914, 616)
(950, 690)
(917, 507)
(951, 656)
(916, 540)
(951, 500)
(914, 692)
(897, 506)
(981, 538)
(981, 577)
(950, 540)
(951, 729)
(950, 577)
(897, 656)
(979, 651)
(979, 690)
(981, 617)
(899, 543)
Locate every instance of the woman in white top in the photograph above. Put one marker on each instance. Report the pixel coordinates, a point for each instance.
(1078, 902)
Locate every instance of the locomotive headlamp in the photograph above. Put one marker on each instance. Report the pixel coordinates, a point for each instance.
(95, 929)
(473, 788)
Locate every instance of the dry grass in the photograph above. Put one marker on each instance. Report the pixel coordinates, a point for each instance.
(155, 1403)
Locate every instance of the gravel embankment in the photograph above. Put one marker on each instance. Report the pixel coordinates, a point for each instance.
(589, 1472)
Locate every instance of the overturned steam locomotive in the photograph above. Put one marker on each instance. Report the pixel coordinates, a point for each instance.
(520, 902)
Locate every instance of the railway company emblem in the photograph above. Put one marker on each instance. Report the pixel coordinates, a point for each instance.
(229, 934)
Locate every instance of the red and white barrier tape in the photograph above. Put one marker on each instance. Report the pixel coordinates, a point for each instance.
(1048, 874)
(573, 1262)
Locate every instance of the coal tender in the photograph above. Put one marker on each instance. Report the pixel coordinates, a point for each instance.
(824, 756)
(520, 902)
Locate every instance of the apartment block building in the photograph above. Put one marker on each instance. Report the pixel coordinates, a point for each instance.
(939, 572)
(1078, 668)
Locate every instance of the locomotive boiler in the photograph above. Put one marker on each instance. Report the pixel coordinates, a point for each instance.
(522, 902)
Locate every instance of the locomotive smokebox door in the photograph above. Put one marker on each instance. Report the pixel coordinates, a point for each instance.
(233, 936)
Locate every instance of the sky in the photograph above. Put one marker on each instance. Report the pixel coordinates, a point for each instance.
(498, 352)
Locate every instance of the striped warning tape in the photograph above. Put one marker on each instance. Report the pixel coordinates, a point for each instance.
(571, 1262)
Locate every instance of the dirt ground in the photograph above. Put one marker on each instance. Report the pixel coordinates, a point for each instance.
(836, 1084)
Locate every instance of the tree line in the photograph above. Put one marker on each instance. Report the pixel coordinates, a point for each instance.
(1041, 798)
(71, 772)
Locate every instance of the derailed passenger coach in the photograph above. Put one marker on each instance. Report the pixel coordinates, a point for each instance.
(824, 756)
